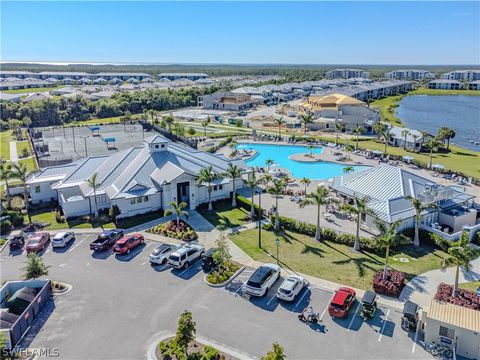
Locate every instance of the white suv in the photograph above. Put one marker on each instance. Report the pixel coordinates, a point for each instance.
(62, 239)
(186, 255)
(262, 279)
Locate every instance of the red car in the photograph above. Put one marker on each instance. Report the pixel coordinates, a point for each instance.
(342, 302)
(37, 242)
(128, 243)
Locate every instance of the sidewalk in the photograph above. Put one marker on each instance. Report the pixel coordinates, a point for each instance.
(13, 151)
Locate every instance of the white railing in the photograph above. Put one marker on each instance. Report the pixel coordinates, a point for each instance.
(473, 229)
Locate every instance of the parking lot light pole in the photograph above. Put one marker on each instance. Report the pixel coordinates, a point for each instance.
(259, 218)
(277, 242)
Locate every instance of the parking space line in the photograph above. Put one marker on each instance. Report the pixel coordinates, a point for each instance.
(271, 299)
(383, 326)
(354, 316)
(144, 263)
(48, 250)
(239, 288)
(416, 336)
(301, 299)
(75, 246)
(324, 311)
(147, 244)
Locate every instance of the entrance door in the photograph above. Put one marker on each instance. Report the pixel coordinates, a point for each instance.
(183, 192)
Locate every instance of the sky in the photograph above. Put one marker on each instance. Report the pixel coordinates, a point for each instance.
(428, 33)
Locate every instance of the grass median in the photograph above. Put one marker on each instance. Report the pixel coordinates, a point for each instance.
(335, 262)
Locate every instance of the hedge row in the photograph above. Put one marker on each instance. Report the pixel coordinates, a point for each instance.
(220, 144)
(246, 204)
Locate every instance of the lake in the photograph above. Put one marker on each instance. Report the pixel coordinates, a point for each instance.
(429, 113)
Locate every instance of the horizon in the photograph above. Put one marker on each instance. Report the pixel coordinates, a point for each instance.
(266, 33)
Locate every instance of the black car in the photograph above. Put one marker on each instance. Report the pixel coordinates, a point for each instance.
(106, 239)
(16, 242)
(208, 264)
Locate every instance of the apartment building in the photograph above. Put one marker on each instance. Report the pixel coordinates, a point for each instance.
(229, 101)
(178, 76)
(346, 74)
(409, 74)
(462, 75)
(444, 84)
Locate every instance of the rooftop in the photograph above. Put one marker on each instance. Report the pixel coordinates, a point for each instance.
(455, 315)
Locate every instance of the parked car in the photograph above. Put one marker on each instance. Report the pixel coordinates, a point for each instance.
(291, 287)
(62, 239)
(161, 253)
(16, 242)
(186, 255)
(106, 239)
(37, 242)
(262, 279)
(342, 302)
(127, 243)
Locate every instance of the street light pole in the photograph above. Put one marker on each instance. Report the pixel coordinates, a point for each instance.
(260, 219)
(277, 242)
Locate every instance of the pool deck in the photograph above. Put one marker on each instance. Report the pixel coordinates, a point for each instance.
(306, 157)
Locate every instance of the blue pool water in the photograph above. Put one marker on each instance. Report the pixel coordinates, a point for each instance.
(280, 153)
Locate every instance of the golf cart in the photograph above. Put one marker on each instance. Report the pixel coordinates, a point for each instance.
(410, 316)
(369, 305)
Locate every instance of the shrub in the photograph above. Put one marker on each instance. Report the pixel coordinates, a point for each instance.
(5, 227)
(15, 217)
(211, 353)
(392, 286)
(464, 297)
(182, 231)
(245, 204)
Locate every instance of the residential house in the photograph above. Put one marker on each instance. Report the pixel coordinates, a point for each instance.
(225, 101)
(414, 138)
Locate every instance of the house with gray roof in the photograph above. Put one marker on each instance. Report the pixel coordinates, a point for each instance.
(387, 187)
(138, 180)
(407, 138)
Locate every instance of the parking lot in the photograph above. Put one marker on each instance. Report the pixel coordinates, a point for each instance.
(120, 304)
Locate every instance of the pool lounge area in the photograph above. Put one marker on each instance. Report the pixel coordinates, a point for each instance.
(280, 154)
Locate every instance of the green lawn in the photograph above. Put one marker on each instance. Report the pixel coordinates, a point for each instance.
(138, 219)
(224, 216)
(5, 138)
(472, 286)
(425, 91)
(23, 145)
(335, 262)
(31, 90)
(49, 216)
(30, 162)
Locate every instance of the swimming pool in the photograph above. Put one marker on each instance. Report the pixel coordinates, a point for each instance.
(280, 153)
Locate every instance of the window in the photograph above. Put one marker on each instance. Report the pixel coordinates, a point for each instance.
(145, 198)
(156, 146)
(215, 188)
(446, 332)
(132, 201)
(139, 200)
(162, 146)
(37, 188)
(220, 187)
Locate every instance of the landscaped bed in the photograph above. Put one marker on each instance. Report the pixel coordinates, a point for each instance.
(336, 262)
(223, 273)
(180, 230)
(208, 352)
(224, 216)
(465, 298)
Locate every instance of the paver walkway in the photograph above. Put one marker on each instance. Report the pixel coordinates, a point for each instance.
(13, 151)
(423, 287)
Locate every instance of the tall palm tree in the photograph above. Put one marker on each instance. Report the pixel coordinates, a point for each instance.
(310, 149)
(20, 172)
(378, 128)
(269, 162)
(233, 172)
(419, 207)
(6, 174)
(348, 169)
(349, 148)
(280, 122)
(178, 210)
(233, 147)
(385, 134)
(358, 131)
(448, 134)
(338, 128)
(317, 198)
(415, 137)
(405, 133)
(305, 120)
(207, 176)
(431, 144)
(252, 183)
(169, 120)
(205, 124)
(276, 190)
(358, 208)
(305, 181)
(461, 255)
(267, 178)
(94, 185)
(388, 237)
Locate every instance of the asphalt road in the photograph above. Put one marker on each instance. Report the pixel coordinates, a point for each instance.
(119, 305)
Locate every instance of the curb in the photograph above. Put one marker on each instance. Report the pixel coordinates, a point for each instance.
(3, 246)
(222, 348)
(238, 272)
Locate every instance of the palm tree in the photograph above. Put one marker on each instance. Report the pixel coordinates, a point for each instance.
(358, 131)
(280, 122)
(178, 210)
(20, 172)
(348, 169)
(385, 134)
(169, 120)
(205, 124)
(276, 190)
(233, 147)
(269, 162)
(431, 144)
(5, 175)
(424, 136)
(305, 181)
(461, 254)
(305, 120)
(234, 172)
(349, 148)
(388, 237)
(378, 128)
(252, 183)
(94, 185)
(266, 179)
(358, 208)
(338, 128)
(419, 207)
(207, 176)
(415, 137)
(405, 133)
(449, 134)
(310, 149)
(318, 198)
